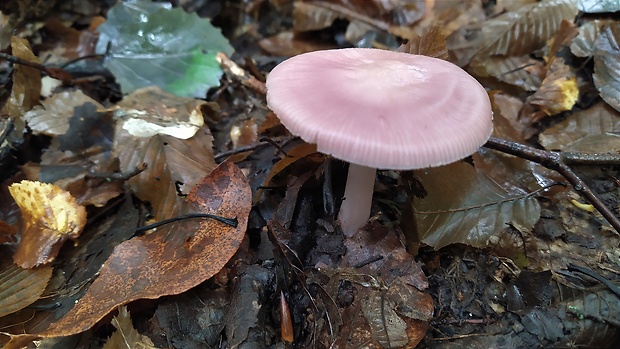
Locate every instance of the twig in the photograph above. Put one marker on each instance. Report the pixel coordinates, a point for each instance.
(119, 176)
(234, 71)
(228, 221)
(262, 142)
(557, 161)
(591, 273)
(56, 73)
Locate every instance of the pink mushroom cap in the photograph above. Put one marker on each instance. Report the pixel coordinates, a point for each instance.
(381, 109)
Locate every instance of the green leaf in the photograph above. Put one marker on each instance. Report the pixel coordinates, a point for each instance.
(151, 44)
(464, 205)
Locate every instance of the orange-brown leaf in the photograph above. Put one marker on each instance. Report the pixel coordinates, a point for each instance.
(156, 264)
(51, 216)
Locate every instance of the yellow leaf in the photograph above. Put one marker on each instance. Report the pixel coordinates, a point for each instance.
(51, 216)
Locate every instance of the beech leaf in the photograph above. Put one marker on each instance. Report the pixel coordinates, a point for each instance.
(469, 207)
(145, 49)
(156, 264)
(607, 64)
(527, 29)
(21, 287)
(51, 216)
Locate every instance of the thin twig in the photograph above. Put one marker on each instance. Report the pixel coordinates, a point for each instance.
(56, 73)
(262, 142)
(228, 221)
(119, 176)
(558, 162)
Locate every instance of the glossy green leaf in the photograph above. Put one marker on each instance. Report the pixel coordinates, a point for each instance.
(151, 44)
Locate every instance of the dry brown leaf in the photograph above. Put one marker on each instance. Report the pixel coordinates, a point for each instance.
(432, 44)
(151, 111)
(21, 287)
(54, 115)
(392, 17)
(170, 161)
(26, 81)
(51, 216)
(601, 119)
(526, 29)
(159, 264)
(558, 92)
(126, 336)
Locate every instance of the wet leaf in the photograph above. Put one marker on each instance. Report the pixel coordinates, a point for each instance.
(51, 216)
(559, 91)
(156, 264)
(386, 326)
(395, 306)
(149, 52)
(21, 287)
(26, 81)
(468, 208)
(126, 336)
(599, 120)
(607, 64)
(526, 29)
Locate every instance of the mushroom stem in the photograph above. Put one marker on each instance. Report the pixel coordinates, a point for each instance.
(355, 209)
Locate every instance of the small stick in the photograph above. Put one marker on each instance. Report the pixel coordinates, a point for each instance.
(119, 176)
(56, 73)
(261, 142)
(228, 221)
(556, 161)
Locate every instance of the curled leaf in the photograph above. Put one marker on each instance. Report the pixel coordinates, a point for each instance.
(51, 216)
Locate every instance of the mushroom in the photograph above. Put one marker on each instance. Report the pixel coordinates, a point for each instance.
(379, 109)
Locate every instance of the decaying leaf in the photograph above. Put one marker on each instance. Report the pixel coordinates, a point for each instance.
(21, 287)
(559, 91)
(394, 304)
(126, 336)
(468, 208)
(150, 111)
(156, 264)
(51, 216)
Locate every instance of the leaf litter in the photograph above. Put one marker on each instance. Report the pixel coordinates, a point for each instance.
(496, 250)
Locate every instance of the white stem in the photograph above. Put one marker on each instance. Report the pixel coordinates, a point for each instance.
(355, 209)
